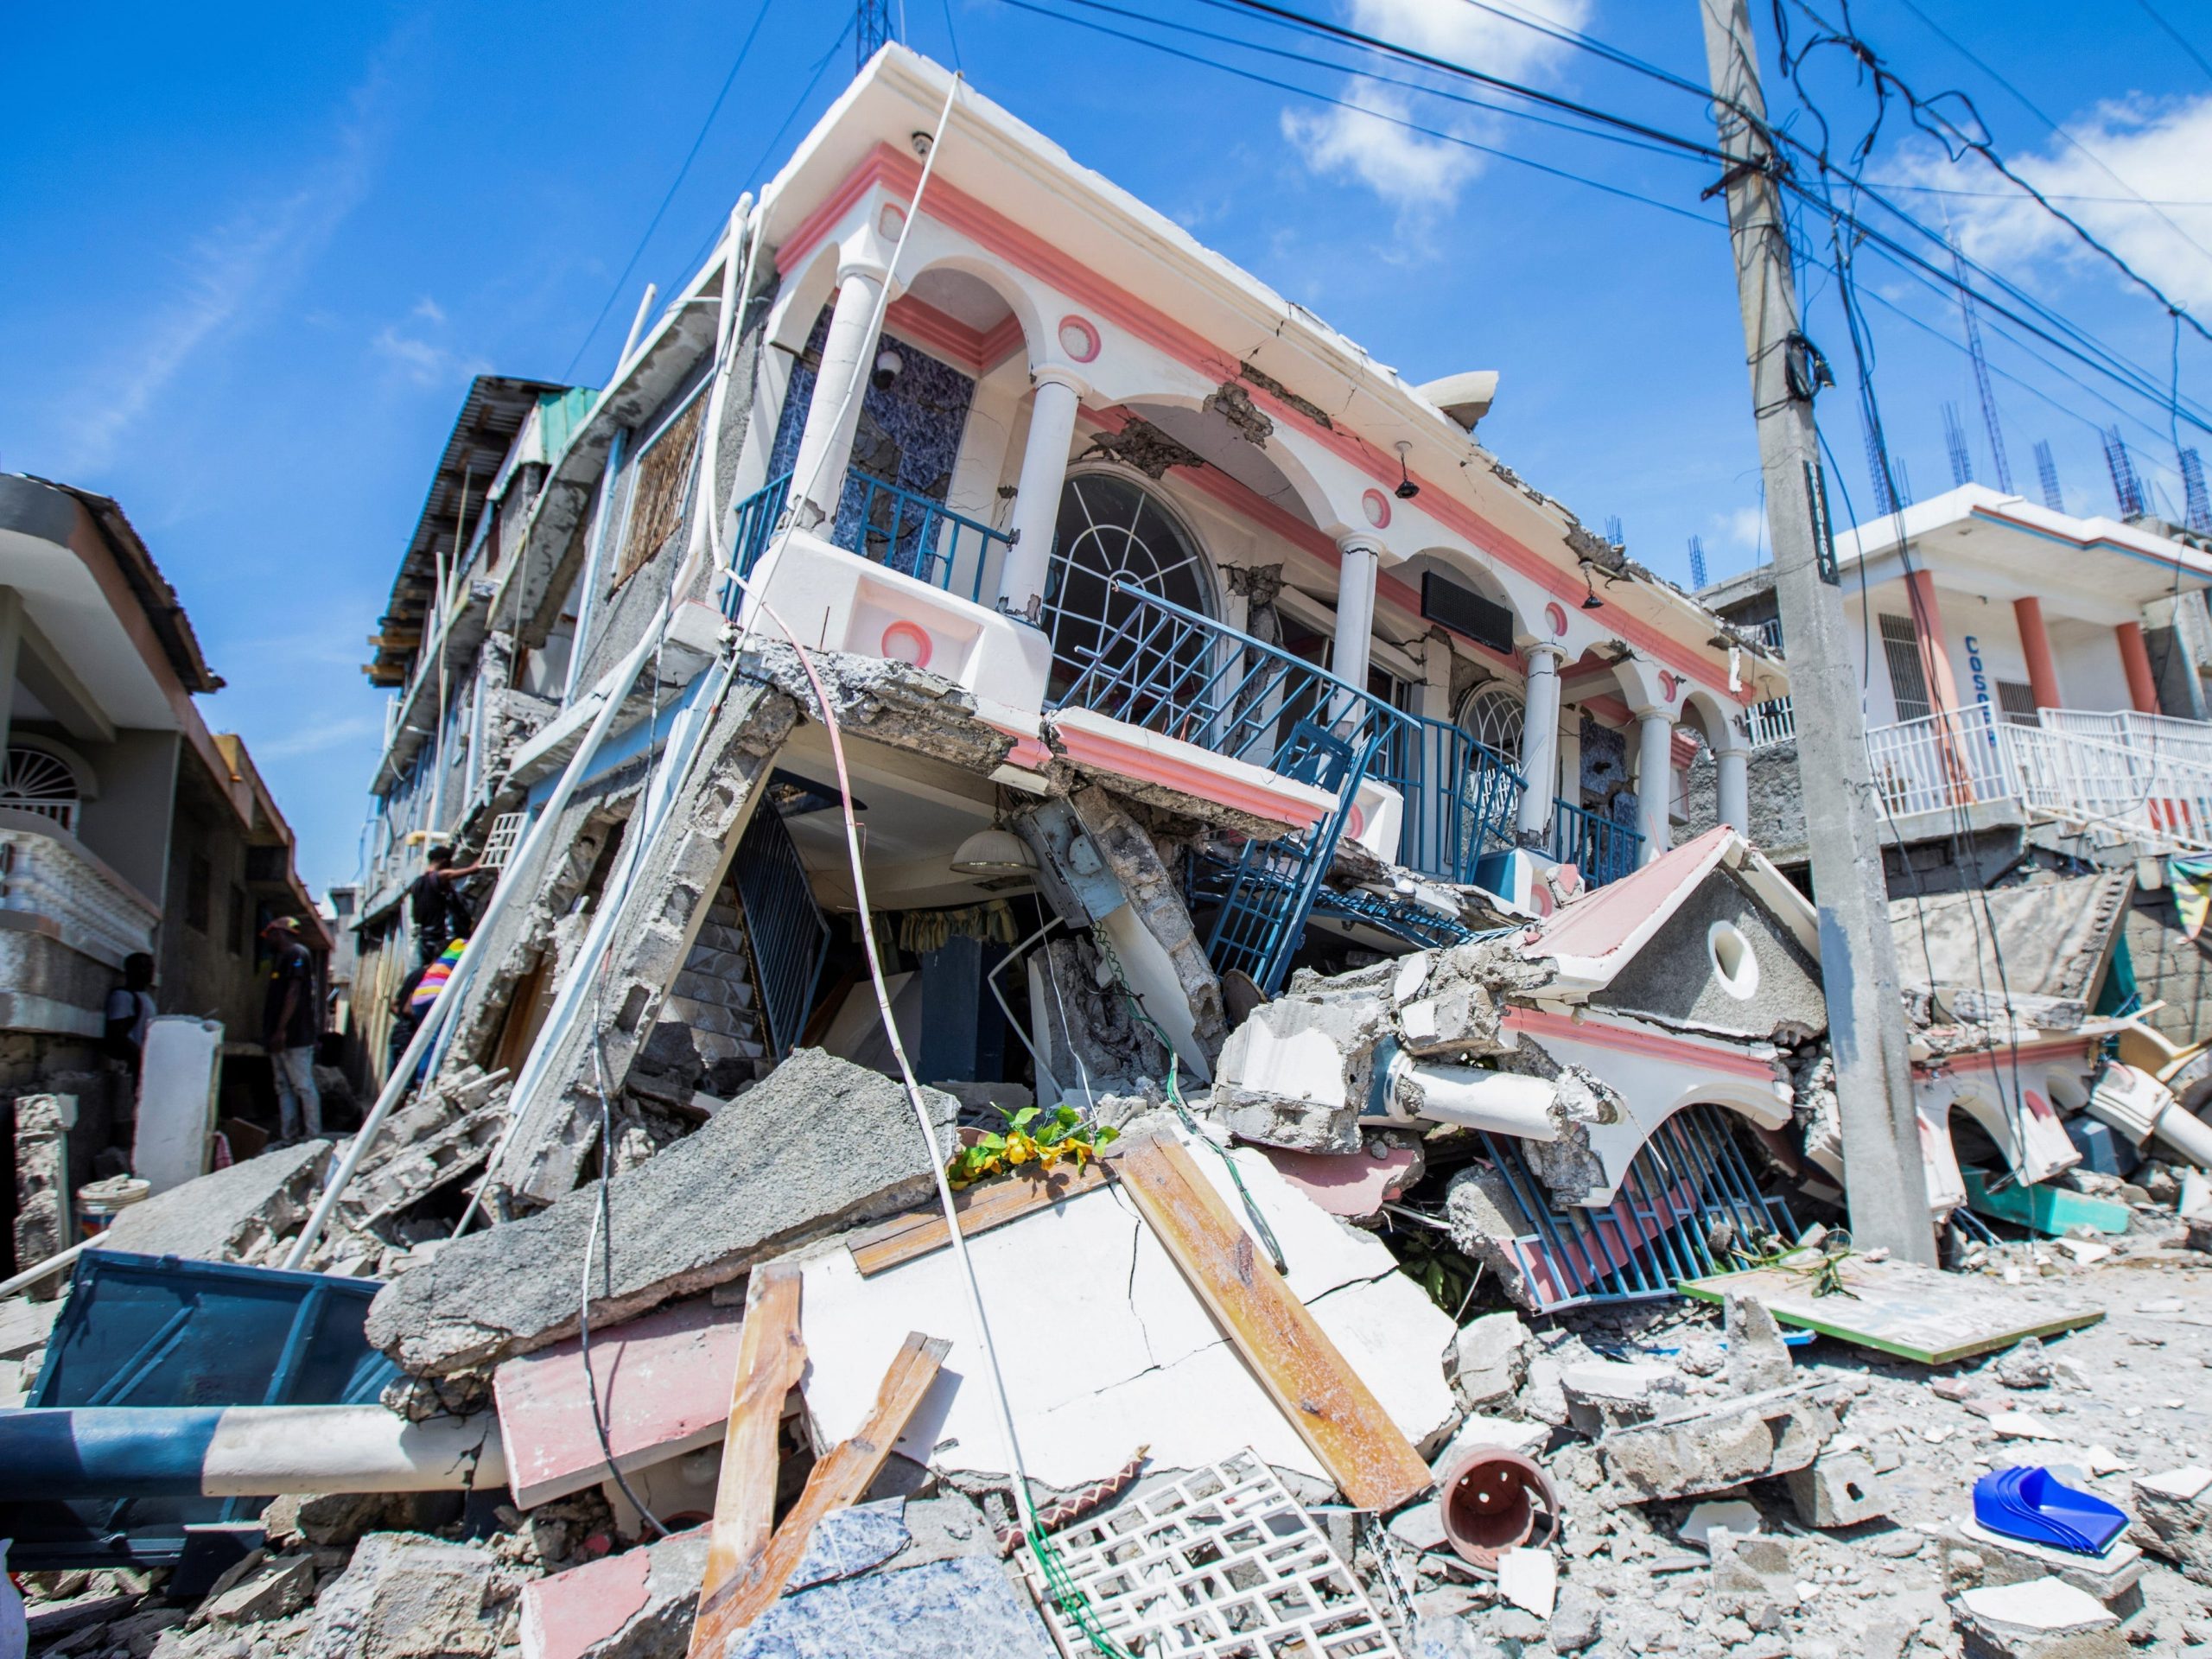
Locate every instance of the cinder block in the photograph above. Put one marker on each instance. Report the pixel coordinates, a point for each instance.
(1838, 1489)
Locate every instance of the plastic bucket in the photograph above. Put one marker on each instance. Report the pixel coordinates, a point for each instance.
(98, 1203)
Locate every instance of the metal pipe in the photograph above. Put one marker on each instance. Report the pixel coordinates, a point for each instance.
(1505, 1102)
(637, 325)
(119, 1452)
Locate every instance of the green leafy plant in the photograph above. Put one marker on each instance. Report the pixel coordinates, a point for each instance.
(1032, 1136)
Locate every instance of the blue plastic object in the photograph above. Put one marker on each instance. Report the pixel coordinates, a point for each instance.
(2033, 1504)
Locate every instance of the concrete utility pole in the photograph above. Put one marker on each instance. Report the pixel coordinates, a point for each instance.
(1887, 1187)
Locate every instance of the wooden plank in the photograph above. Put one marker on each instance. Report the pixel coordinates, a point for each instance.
(771, 1356)
(1365, 1454)
(1914, 1312)
(840, 1480)
(988, 1204)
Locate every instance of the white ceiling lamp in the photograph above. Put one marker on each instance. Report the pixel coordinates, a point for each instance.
(994, 852)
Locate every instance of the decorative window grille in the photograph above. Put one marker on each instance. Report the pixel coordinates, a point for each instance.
(33, 781)
(1494, 713)
(1111, 529)
(500, 845)
(2016, 702)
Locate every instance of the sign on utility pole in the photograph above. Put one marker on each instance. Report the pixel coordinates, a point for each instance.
(1885, 1184)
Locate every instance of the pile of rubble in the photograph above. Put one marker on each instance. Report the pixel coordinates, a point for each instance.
(1688, 1480)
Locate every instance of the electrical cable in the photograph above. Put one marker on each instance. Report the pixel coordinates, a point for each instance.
(2178, 39)
(676, 184)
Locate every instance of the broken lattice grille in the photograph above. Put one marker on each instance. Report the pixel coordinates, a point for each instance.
(1222, 1563)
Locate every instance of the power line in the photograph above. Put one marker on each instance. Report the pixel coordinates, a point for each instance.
(2177, 34)
(691, 155)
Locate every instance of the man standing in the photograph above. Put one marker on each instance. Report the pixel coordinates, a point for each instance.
(290, 1022)
(441, 915)
(130, 1011)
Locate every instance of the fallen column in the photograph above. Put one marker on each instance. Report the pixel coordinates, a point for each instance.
(119, 1452)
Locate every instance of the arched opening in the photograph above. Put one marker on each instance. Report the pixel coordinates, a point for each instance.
(1114, 535)
(33, 780)
(1493, 714)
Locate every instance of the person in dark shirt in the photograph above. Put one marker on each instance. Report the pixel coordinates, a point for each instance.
(406, 1017)
(440, 914)
(130, 1011)
(290, 1022)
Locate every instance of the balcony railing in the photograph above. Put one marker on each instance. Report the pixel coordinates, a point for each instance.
(1771, 722)
(1602, 849)
(1461, 796)
(46, 872)
(900, 529)
(2147, 777)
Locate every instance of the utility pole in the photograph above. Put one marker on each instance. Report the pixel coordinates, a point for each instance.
(1885, 1184)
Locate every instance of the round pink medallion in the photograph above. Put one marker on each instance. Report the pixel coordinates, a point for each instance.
(1555, 613)
(906, 642)
(892, 220)
(1377, 505)
(1356, 822)
(1078, 338)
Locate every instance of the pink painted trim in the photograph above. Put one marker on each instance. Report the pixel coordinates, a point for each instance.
(1670, 684)
(1986, 1060)
(1682, 1050)
(936, 332)
(1556, 615)
(1002, 341)
(1097, 749)
(1611, 709)
(1028, 753)
(1085, 328)
(1682, 748)
(988, 228)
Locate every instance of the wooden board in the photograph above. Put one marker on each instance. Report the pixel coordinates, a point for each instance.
(988, 1204)
(1334, 1412)
(770, 1358)
(840, 1480)
(1917, 1313)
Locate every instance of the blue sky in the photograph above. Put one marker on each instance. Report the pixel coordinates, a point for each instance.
(255, 253)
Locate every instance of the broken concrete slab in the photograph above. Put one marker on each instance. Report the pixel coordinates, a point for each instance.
(279, 1586)
(817, 1145)
(228, 1215)
(1757, 1358)
(1296, 1073)
(663, 1384)
(1973, 1556)
(1489, 1360)
(1354, 1184)
(1113, 1359)
(1838, 1489)
(404, 1595)
(2043, 1618)
(446, 1130)
(1609, 1393)
(1718, 1447)
(2173, 1518)
(637, 1605)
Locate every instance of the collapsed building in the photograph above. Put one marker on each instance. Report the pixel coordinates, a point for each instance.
(987, 677)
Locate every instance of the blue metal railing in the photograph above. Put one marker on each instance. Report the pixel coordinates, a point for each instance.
(757, 517)
(1181, 674)
(914, 534)
(1462, 797)
(898, 529)
(1602, 849)
(785, 925)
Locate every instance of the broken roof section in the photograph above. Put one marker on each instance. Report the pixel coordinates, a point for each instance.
(2051, 937)
(479, 454)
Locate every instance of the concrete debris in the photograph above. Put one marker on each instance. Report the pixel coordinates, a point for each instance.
(2045, 1618)
(1734, 1516)
(1296, 1073)
(239, 1214)
(636, 1605)
(1838, 1489)
(43, 1223)
(2173, 1518)
(275, 1586)
(405, 1596)
(1489, 1360)
(1713, 1448)
(817, 1144)
(1757, 1358)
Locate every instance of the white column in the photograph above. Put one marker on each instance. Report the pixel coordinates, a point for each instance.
(1733, 774)
(1540, 743)
(1037, 492)
(825, 445)
(1355, 610)
(1654, 768)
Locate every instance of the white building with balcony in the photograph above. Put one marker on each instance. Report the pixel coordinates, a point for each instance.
(126, 825)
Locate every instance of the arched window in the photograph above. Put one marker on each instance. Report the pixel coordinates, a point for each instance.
(33, 781)
(1112, 529)
(1492, 713)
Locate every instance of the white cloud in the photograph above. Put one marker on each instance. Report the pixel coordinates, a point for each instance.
(2158, 147)
(422, 360)
(1742, 529)
(320, 737)
(227, 276)
(1414, 173)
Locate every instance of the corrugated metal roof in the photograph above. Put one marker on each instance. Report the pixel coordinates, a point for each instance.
(490, 417)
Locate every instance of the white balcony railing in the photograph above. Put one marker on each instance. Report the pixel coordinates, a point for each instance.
(2147, 778)
(1771, 722)
(46, 872)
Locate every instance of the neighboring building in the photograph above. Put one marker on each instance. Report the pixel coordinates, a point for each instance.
(126, 826)
(2034, 692)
